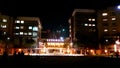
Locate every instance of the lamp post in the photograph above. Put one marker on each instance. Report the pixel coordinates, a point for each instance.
(116, 45)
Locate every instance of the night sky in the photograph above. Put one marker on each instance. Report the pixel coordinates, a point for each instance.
(52, 13)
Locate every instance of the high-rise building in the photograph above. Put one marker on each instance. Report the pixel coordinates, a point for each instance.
(5, 24)
(27, 28)
(83, 28)
(108, 25)
(5, 27)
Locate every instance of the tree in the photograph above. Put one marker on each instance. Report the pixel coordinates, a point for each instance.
(28, 43)
(16, 42)
(20, 42)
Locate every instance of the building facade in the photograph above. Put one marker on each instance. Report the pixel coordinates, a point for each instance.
(108, 26)
(26, 28)
(5, 30)
(83, 28)
(5, 24)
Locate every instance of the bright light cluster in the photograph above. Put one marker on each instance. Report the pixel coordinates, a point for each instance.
(56, 55)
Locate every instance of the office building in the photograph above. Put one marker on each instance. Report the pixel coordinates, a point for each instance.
(108, 26)
(83, 28)
(5, 24)
(27, 28)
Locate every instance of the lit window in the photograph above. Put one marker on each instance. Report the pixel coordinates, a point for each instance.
(70, 27)
(69, 30)
(90, 25)
(16, 27)
(105, 30)
(17, 21)
(93, 19)
(34, 34)
(70, 35)
(29, 33)
(30, 27)
(105, 19)
(89, 19)
(86, 24)
(21, 27)
(113, 18)
(104, 14)
(21, 33)
(63, 29)
(25, 33)
(113, 30)
(4, 33)
(93, 24)
(16, 33)
(4, 20)
(106, 40)
(22, 22)
(35, 28)
(3, 26)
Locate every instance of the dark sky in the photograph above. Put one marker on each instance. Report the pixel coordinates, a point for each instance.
(52, 13)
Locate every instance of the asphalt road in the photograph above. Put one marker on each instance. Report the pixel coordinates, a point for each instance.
(59, 61)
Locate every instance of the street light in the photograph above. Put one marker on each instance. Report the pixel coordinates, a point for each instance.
(115, 45)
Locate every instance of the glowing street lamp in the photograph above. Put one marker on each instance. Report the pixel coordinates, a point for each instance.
(115, 48)
(115, 45)
(106, 51)
(68, 49)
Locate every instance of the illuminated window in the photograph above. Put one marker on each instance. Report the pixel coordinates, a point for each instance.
(105, 30)
(104, 14)
(30, 27)
(16, 27)
(70, 35)
(105, 19)
(90, 25)
(35, 28)
(25, 33)
(3, 26)
(4, 33)
(93, 24)
(16, 33)
(89, 19)
(21, 33)
(63, 29)
(21, 27)
(113, 18)
(69, 30)
(17, 21)
(106, 40)
(34, 34)
(93, 19)
(69, 27)
(113, 30)
(22, 22)
(86, 24)
(4, 20)
(29, 33)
